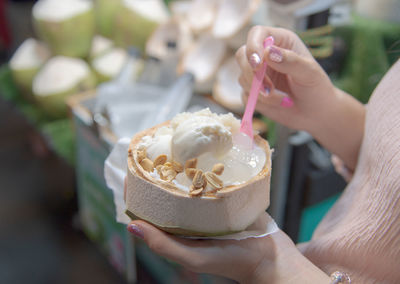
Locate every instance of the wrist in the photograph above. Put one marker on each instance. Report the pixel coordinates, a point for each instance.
(324, 111)
(285, 264)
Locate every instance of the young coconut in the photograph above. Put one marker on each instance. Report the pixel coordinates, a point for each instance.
(26, 62)
(105, 12)
(227, 90)
(173, 31)
(233, 20)
(203, 59)
(66, 26)
(100, 45)
(108, 65)
(59, 78)
(221, 188)
(136, 20)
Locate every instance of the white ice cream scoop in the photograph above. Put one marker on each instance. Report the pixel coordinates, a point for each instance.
(198, 135)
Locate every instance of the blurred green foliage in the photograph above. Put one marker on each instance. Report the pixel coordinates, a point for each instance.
(372, 47)
(58, 133)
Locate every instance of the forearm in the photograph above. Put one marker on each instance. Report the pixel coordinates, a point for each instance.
(289, 266)
(340, 128)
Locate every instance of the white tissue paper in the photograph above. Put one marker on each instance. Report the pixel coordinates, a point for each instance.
(115, 168)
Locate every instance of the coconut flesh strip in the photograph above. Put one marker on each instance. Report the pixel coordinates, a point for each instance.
(203, 58)
(171, 31)
(56, 11)
(30, 54)
(243, 193)
(227, 90)
(60, 74)
(232, 16)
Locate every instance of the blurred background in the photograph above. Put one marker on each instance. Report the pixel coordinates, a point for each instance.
(77, 75)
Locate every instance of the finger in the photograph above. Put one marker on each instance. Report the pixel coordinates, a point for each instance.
(255, 39)
(301, 69)
(245, 83)
(186, 252)
(246, 69)
(275, 98)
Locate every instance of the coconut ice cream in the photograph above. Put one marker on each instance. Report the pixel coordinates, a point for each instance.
(190, 176)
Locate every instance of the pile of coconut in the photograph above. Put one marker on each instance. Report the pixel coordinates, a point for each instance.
(89, 39)
(207, 34)
(80, 43)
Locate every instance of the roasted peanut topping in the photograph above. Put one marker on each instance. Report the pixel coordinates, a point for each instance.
(160, 160)
(177, 166)
(195, 191)
(167, 173)
(141, 155)
(147, 165)
(192, 163)
(218, 169)
(190, 172)
(199, 179)
(213, 180)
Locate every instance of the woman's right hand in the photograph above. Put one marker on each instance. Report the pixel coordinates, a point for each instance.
(299, 91)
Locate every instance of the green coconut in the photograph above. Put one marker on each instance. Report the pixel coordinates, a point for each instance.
(136, 21)
(60, 78)
(108, 65)
(105, 12)
(100, 46)
(26, 62)
(66, 26)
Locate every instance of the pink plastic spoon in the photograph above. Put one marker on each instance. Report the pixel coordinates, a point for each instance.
(247, 121)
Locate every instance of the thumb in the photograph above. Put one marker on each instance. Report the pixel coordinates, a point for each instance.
(302, 70)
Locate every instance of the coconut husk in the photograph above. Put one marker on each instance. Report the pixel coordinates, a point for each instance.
(230, 209)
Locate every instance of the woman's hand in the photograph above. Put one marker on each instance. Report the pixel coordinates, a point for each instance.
(271, 259)
(301, 95)
(297, 87)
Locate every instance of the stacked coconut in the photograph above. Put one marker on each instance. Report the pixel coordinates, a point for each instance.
(84, 42)
(207, 33)
(81, 43)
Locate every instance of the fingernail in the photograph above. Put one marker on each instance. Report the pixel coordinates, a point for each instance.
(275, 54)
(287, 102)
(134, 229)
(255, 60)
(268, 41)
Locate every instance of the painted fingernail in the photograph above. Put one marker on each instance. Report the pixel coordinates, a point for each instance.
(268, 41)
(255, 60)
(287, 102)
(135, 230)
(275, 54)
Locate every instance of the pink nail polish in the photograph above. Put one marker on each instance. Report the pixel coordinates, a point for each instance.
(287, 102)
(255, 60)
(275, 54)
(135, 230)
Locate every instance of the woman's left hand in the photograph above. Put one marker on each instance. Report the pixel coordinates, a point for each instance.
(248, 261)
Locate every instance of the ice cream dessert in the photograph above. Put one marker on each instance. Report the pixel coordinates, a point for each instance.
(191, 176)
